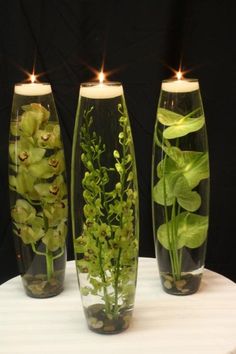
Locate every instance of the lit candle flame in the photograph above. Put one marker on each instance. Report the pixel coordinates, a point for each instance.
(101, 77)
(32, 78)
(179, 75)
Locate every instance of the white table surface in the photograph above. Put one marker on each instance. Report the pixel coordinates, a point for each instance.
(203, 323)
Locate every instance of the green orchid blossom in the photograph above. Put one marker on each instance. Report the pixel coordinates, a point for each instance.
(36, 175)
(51, 192)
(23, 212)
(24, 185)
(49, 137)
(55, 237)
(26, 153)
(48, 167)
(107, 236)
(56, 212)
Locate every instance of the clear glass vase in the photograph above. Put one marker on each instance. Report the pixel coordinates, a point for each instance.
(105, 207)
(38, 191)
(180, 186)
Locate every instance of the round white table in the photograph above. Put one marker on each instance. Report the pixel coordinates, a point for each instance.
(203, 323)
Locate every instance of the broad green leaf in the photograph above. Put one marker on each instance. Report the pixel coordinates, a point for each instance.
(191, 231)
(163, 191)
(196, 167)
(187, 199)
(175, 186)
(167, 117)
(193, 165)
(184, 127)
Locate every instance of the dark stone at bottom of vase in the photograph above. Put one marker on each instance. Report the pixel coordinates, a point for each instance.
(38, 286)
(187, 284)
(100, 322)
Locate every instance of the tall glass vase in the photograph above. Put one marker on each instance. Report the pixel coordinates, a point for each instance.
(105, 207)
(38, 191)
(180, 186)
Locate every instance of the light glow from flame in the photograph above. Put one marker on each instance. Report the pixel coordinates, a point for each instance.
(179, 75)
(33, 78)
(101, 77)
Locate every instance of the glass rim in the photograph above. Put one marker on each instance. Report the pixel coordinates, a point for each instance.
(183, 79)
(35, 83)
(96, 83)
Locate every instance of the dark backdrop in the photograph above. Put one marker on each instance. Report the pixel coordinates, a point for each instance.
(138, 41)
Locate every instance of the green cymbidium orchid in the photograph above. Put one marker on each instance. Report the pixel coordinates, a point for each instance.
(49, 137)
(26, 153)
(37, 168)
(56, 212)
(55, 237)
(23, 212)
(52, 192)
(48, 167)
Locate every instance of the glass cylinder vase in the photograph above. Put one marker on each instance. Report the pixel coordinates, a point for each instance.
(105, 207)
(38, 191)
(180, 186)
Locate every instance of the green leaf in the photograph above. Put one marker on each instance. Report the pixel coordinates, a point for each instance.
(187, 199)
(167, 117)
(193, 165)
(175, 186)
(191, 231)
(179, 125)
(186, 126)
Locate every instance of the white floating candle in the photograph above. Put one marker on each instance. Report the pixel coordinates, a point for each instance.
(101, 90)
(181, 86)
(33, 89)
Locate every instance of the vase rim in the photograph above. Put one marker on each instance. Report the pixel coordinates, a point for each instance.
(183, 79)
(96, 83)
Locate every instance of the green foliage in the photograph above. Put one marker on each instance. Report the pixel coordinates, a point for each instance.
(36, 178)
(191, 231)
(179, 125)
(179, 173)
(107, 249)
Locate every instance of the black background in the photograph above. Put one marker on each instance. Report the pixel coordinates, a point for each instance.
(138, 41)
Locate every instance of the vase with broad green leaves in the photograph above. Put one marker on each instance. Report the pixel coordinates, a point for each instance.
(105, 207)
(38, 190)
(180, 186)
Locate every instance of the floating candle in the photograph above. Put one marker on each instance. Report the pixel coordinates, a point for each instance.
(101, 90)
(180, 86)
(33, 89)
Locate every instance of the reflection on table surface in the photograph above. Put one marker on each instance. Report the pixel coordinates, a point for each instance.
(201, 323)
